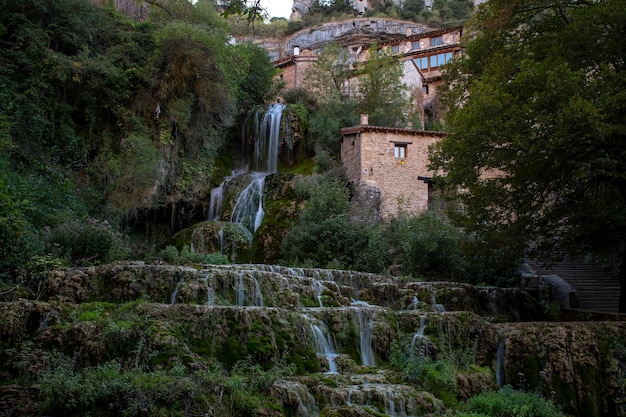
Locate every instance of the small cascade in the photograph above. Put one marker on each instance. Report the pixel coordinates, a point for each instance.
(491, 300)
(240, 290)
(414, 304)
(254, 295)
(210, 292)
(46, 320)
(319, 288)
(500, 375)
(215, 204)
(307, 408)
(323, 346)
(419, 337)
(174, 293)
(217, 197)
(391, 408)
(220, 238)
(437, 308)
(258, 295)
(366, 330)
(267, 139)
(248, 210)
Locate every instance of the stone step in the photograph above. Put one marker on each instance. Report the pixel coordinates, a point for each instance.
(597, 288)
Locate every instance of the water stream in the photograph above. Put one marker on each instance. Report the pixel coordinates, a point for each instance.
(419, 337)
(323, 346)
(248, 209)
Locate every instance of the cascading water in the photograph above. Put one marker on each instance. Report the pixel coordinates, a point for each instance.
(419, 337)
(438, 308)
(500, 380)
(365, 336)
(248, 210)
(324, 346)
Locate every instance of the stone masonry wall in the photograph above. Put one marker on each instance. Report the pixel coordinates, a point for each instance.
(368, 157)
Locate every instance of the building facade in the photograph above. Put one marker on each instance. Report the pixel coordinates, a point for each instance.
(422, 53)
(392, 160)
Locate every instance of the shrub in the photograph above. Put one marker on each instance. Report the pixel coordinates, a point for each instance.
(508, 403)
(18, 239)
(170, 254)
(324, 234)
(429, 247)
(89, 241)
(187, 256)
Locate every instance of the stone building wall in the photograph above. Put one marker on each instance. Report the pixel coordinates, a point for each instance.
(367, 154)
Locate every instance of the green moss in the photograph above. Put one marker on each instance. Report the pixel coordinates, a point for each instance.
(202, 346)
(94, 311)
(590, 379)
(347, 341)
(306, 167)
(531, 371)
(232, 352)
(260, 348)
(565, 395)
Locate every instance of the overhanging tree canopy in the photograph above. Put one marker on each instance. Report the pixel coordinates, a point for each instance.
(540, 100)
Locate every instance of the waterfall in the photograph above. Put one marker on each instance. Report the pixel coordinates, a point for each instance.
(438, 308)
(413, 305)
(267, 135)
(324, 346)
(419, 335)
(500, 378)
(248, 210)
(215, 204)
(365, 337)
(174, 293)
(240, 290)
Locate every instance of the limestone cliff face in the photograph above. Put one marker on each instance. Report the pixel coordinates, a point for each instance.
(302, 7)
(353, 32)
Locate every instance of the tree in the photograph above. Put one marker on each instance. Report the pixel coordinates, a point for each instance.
(539, 102)
(329, 78)
(382, 95)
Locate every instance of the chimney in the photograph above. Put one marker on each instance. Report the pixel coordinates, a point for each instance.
(364, 120)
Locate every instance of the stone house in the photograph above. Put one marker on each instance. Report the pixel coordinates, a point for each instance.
(392, 161)
(422, 52)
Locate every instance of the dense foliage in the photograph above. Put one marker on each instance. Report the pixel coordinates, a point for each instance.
(107, 118)
(536, 122)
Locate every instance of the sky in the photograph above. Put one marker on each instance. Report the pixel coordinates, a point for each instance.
(278, 8)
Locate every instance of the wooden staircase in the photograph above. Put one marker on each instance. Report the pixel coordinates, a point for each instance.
(597, 288)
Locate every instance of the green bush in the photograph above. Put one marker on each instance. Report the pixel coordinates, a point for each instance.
(507, 403)
(17, 236)
(429, 247)
(186, 256)
(324, 234)
(170, 254)
(89, 241)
